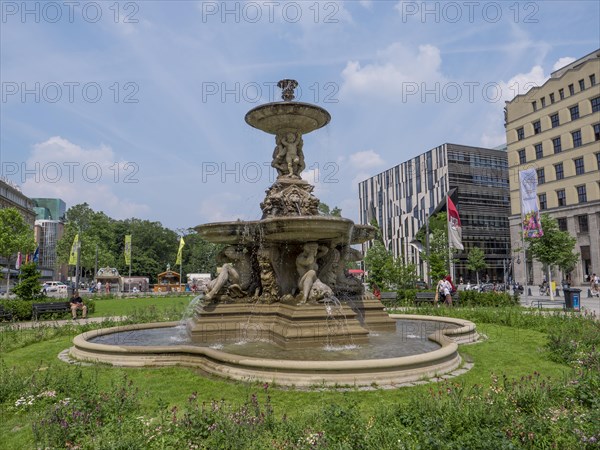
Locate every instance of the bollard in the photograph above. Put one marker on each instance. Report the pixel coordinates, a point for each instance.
(529, 292)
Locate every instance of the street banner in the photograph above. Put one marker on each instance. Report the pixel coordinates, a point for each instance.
(73, 254)
(454, 227)
(180, 251)
(19, 261)
(530, 214)
(128, 249)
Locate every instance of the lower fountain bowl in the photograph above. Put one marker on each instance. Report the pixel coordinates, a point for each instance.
(294, 373)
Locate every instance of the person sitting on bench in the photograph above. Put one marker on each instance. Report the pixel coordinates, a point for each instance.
(77, 303)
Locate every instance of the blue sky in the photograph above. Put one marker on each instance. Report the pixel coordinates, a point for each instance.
(138, 107)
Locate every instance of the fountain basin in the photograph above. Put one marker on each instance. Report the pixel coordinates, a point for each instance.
(298, 229)
(278, 117)
(299, 373)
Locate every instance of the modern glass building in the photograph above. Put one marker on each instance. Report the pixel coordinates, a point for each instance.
(403, 197)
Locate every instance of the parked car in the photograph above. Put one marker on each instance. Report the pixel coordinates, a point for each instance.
(420, 284)
(54, 286)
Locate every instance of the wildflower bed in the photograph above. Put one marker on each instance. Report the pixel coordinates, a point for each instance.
(535, 384)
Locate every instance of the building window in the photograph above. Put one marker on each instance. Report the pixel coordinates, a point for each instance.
(557, 145)
(597, 131)
(571, 89)
(534, 104)
(596, 104)
(582, 221)
(552, 98)
(561, 93)
(581, 85)
(558, 168)
(593, 79)
(537, 127)
(598, 160)
(581, 194)
(539, 151)
(522, 157)
(520, 133)
(561, 197)
(543, 101)
(543, 202)
(576, 138)
(554, 120)
(579, 166)
(541, 175)
(574, 112)
(562, 224)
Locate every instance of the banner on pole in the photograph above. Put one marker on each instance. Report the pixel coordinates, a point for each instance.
(19, 261)
(530, 214)
(128, 249)
(73, 254)
(454, 227)
(180, 251)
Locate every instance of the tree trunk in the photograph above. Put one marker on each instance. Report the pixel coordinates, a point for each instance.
(550, 283)
(7, 275)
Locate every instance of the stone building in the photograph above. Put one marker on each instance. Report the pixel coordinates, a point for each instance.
(555, 128)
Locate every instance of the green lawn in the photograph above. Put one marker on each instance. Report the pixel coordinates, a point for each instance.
(510, 351)
(111, 307)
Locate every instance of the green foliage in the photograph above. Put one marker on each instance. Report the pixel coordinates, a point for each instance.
(29, 287)
(493, 299)
(15, 236)
(324, 210)
(476, 261)
(555, 247)
(438, 259)
(153, 246)
(379, 264)
(22, 310)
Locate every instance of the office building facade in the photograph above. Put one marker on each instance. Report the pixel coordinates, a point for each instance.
(402, 198)
(555, 129)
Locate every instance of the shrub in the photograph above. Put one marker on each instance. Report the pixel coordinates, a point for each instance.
(22, 310)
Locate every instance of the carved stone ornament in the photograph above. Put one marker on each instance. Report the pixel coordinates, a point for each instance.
(290, 199)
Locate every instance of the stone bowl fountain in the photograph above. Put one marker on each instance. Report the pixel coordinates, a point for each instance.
(283, 280)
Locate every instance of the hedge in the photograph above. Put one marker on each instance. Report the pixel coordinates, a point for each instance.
(23, 309)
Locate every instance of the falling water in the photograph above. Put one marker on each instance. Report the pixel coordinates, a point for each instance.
(337, 324)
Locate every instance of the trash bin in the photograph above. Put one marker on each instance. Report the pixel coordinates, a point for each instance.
(572, 297)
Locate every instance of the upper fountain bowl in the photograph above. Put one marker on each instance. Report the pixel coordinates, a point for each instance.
(279, 117)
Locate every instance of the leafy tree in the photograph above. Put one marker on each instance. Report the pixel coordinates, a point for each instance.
(379, 263)
(152, 247)
(438, 259)
(404, 274)
(29, 287)
(15, 236)
(201, 255)
(554, 248)
(324, 210)
(96, 235)
(476, 261)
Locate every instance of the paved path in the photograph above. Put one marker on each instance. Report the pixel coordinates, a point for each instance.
(591, 305)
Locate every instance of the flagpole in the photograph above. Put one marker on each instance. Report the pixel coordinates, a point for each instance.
(130, 256)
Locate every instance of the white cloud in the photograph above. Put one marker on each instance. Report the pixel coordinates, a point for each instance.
(394, 67)
(367, 159)
(562, 62)
(368, 4)
(58, 168)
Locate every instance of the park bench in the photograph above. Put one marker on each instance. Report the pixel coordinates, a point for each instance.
(4, 314)
(541, 303)
(48, 308)
(429, 297)
(388, 296)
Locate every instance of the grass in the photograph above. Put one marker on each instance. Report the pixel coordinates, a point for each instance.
(113, 307)
(513, 352)
(514, 348)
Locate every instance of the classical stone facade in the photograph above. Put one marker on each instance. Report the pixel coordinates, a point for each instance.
(555, 128)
